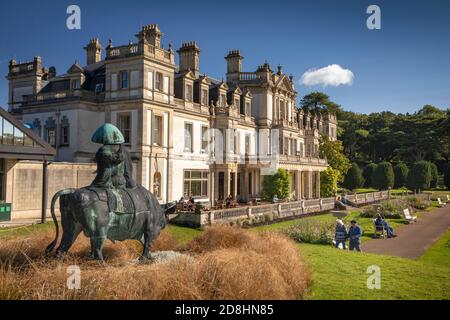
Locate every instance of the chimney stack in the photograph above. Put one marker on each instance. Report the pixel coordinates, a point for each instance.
(189, 54)
(234, 61)
(93, 51)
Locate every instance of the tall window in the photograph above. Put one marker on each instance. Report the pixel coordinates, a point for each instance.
(159, 81)
(51, 137)
(123, 79)
(205, 139)
(195, 183)
(189, 93)
(65, 131)
(204, 97)
(158, 130)
(124, 125)
(188, 132)
(50, 131)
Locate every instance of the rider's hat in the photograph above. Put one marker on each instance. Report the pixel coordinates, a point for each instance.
(108, 134)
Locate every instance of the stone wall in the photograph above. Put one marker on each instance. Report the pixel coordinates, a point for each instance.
(24, 184)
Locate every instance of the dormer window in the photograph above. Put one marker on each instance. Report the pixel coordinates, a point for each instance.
(236, 103)
(223, 100)
(99, 88)
(248, 108)
(189, 93)
(204, 100)
(76, 84)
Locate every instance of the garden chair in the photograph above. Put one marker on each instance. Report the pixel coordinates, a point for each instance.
(408, 216)
(379, 231)
(448, 199)
(440, 203)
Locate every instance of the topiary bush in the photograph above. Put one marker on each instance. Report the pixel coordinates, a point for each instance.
(311, 231)
(419, 177)
(401, 175)
(383, 177)
(354, 178)
(368, 173)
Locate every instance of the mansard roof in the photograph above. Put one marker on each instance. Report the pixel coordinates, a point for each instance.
(94, 74)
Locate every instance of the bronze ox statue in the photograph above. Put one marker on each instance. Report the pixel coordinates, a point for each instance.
(112, 207)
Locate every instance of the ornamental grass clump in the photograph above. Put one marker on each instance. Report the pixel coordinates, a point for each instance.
(222, 263)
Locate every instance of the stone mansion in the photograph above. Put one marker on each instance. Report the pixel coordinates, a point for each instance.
(167, 112)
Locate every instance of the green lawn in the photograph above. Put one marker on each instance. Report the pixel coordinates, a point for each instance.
(182, 234)
(439, 253)
(25, 230)
(339, 274)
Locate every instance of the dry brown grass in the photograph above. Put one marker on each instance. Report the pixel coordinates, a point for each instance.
(223, 263)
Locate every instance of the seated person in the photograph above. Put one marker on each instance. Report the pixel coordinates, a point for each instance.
(275, 199)
(191, 203)
(228, 201)
(381, 222)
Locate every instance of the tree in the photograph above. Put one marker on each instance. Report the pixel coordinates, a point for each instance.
(328, 182)
(333, 151)
(354, 178)
(383, 177)
(368, 173)
(447, 176)
(277, 184)
(434, 175)
(419, 177)
(401, 175)
(319, 102)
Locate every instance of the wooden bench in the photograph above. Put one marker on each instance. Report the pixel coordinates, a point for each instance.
(408, 216)
(440, 203)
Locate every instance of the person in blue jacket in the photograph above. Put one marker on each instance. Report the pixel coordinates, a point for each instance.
(380, 221)
(340, 234)
(354, 234)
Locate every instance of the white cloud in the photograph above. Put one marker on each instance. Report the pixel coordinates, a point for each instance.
(333, 75)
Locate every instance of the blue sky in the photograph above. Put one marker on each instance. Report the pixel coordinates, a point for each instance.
(399, 68)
